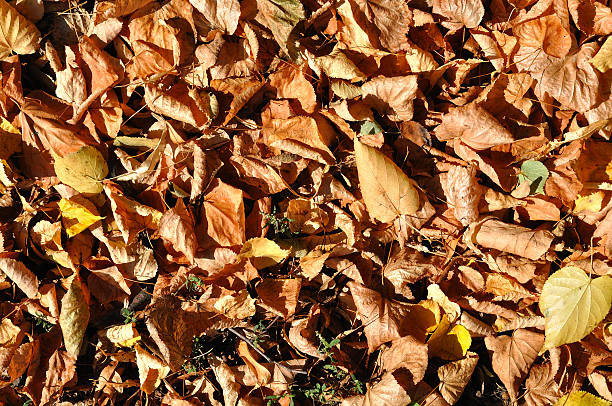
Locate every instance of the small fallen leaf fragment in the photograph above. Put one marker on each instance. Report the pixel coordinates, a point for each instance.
(280, 296)
(513, 356)
(18, 34)
(83, 170)
(592, 202)
(389, 391)
(454, 376)
(541, 389)
(505, 288)
(546, 33)
(387, 191)
(78, 214)
(581, 398)
(573, 304)
(603, 59)
(74, 316)
(263, 252)
(21, 275)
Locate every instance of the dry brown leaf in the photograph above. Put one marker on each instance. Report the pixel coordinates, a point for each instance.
(513, 355)
(518, 241)
(572, 81)
(474, 126)
(409, 354)
(280, 296)
(391, 96)
(19, 35)
(463, 193)
(224, 15)
(387, 191)
(460, 13)
(546, 33)
(176, 227)
(454, 376)
(385, 320)
(224, 209)
(21, 276)
(541, 389)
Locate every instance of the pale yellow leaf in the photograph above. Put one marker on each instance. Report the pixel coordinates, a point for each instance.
(581, 398)
(573, 304)
(74, 316)
(387, 191)
(603, 59)
(18, 34)
(83, 170)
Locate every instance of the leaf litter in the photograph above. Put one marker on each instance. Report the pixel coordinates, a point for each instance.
(340, 203)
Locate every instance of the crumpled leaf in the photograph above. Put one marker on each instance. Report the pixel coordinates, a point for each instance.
(74, 316)
(83, 170)
(573, 304)
(387, 191)
(18, 34)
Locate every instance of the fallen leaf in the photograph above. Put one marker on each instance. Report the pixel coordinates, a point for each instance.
(176, 227)
(263, 252)
(21, 276)
(573, 304)
(83, 170)
(74, 316)
(387, 191)
(581, 398)
(454, 376)
(602, 60)
(19, 35)
(78, 214)
(460, 13)
(512, 357)
(449, 341)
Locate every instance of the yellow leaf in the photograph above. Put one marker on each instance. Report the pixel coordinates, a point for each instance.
(581, 398)
(151, 370)
(8, 127)
(83, 170)
(263, 252)
(74, 316)
(592, 202)
(18, 34)
(78, 214)
(573, 305)
(450, 343)
(387, 191)
(603, 59)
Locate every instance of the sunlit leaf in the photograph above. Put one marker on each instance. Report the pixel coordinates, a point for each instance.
(573, 304)
(387, 191)
(82, 170)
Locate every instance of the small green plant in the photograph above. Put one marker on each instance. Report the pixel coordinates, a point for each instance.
(129, 315)
(339, 374)
(259, 331)
(279, 225)
(322, 393)
(197, 360)
(194, 283)
(40, 320)
(271, 400)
